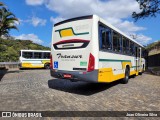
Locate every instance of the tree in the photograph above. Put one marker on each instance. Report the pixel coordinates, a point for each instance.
(2, 4)
(148, 8)
(7, 20)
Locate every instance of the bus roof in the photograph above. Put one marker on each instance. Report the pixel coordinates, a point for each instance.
(36, 50)
(100, 19)
(74, 19)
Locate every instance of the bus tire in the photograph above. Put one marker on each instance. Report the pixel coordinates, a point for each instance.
(126, 77)
(46, 65)
(21, 68)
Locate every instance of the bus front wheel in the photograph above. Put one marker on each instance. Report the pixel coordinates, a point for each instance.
(47, 66)
(126, 77)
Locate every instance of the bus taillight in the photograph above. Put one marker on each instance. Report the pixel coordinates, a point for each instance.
(91, 63)
(51, 62)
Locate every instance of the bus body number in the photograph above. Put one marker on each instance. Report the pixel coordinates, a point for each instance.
(55, 64)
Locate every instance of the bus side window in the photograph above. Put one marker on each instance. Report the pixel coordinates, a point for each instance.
(108, 39)
(117, 42)
(46, 55)
(132, 51)
(27, 54)
(102, 37)
(125, 45)
(105, 38)
(37, 55)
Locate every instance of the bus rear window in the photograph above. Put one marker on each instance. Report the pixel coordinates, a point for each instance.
(71, 44)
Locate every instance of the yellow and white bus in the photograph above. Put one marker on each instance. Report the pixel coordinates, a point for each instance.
(90, 49)
(34, 59)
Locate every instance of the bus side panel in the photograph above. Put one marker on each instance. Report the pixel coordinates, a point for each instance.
(112, 66)
(33, 63)
(107, 75)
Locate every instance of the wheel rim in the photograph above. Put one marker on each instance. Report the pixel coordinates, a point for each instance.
(127, 75)
(47, 66)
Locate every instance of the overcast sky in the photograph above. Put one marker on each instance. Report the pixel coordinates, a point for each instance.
(38, 16)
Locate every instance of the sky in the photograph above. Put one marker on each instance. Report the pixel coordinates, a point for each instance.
(37, 17)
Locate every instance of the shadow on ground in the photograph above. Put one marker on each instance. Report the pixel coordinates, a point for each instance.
(33, 69)
(82, 88)
(3, 71)
(153, 70)
(14, 71)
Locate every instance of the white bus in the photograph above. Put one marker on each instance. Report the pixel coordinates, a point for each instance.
(34, 59)
(90, 49)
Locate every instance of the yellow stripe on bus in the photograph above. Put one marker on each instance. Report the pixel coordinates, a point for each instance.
(124, 64)
(29, 65)
(45, 61)
(106, 75)
(66, 33)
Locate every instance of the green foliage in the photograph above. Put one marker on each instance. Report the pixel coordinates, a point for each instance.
(153, 48)
(9, 49)
(7, 20)
(148, 8)
(155, 45)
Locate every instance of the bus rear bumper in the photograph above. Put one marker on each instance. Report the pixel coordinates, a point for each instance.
(76, 75)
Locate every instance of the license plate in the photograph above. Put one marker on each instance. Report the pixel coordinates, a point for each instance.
(67, 76)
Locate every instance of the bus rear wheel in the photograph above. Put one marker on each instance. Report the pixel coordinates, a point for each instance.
(47, 66)
(126, 77)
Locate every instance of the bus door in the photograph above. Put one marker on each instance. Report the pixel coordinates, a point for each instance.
(138, 58)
